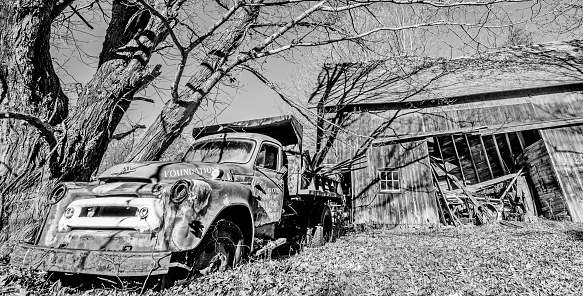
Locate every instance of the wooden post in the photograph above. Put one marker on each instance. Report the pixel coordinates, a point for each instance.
(457, 155)
(443, 160)
(520, 140)
(486, 156)
(472, 158)
(500, 159)
(510, 149)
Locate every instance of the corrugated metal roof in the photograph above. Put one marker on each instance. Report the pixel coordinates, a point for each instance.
(404, 79)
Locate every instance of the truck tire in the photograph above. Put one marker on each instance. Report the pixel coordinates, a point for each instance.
(222, 248)
(323, 231)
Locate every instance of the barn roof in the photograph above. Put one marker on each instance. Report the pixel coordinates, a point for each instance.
(415, 79)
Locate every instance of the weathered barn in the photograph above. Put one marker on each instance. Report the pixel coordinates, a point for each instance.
(479, 118)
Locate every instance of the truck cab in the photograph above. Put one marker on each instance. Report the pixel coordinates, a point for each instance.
(251, 159)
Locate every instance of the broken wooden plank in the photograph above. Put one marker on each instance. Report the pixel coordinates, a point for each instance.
(480, 212)
(270, 246)
(511, 183)
(443, 160)
(453, 217)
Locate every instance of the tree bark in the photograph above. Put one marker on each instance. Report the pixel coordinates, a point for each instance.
(178, 113)
(29, 87)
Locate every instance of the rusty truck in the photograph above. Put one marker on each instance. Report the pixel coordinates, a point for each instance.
(240, 189)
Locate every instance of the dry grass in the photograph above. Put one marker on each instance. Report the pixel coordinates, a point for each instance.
(540, 259)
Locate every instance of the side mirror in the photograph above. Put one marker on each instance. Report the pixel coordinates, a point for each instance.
(282, 173)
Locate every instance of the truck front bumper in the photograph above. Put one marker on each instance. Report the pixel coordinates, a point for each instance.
(109, 263)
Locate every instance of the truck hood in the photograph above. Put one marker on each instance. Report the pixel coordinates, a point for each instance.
(161, 171)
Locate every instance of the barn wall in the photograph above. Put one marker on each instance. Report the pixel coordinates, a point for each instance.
(415, 205)
(566, 154)
(558, 105)
(366, 126)
(538, 164)
(481, 114)
(524, 109)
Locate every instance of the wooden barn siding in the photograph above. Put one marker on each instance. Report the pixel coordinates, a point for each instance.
(566, 154)
(527, 108)
(559, 105)
(537, 162)
(464, 115)
(365, 124)
(415, 205)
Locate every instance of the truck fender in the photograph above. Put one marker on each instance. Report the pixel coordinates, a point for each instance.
(241, 215)
(189, 218)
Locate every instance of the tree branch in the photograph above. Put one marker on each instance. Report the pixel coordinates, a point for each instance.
(143, 99)
(59, 8)
(441, 3)
(184, 51)
(81, 17)
(122, 135)
(4, 88)
(46, 130)
(275, 89)
(286, 28)
(367, 33)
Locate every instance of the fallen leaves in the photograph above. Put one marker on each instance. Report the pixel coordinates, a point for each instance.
(539, 259)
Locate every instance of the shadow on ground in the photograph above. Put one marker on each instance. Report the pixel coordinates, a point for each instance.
(575, 234)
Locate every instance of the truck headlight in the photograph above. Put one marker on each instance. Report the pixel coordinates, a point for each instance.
(180, 191)
(57, 194)
(216, 174)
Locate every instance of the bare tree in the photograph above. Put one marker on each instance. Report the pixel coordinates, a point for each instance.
(45, 140)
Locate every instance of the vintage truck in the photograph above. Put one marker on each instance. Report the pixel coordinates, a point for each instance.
(239, 190)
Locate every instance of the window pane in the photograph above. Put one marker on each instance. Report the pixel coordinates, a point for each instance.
(389, 180)
(396, 184)
(267, 157)
(220, 150)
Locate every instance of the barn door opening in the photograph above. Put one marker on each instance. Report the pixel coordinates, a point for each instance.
(347, 191)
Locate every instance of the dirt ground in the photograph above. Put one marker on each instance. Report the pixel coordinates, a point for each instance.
(539, 259)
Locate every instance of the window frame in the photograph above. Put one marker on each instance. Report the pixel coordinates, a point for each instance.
(277, 156)
(391, 172)
(217, 139)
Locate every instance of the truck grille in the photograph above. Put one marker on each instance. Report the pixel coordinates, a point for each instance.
(121, 213)
(104, 211)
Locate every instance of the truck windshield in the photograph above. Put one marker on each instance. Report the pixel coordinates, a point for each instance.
(219, 151)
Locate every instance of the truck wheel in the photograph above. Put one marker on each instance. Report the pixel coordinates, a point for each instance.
(221, 248)
(323, 231)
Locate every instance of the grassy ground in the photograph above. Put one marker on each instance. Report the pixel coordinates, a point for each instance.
(540, 259)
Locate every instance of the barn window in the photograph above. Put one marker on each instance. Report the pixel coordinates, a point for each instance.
(389, 181)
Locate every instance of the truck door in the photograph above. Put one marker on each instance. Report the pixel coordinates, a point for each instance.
(267, 188)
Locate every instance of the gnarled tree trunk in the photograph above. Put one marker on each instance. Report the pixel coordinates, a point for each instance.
(29, 87)
(41, 143)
